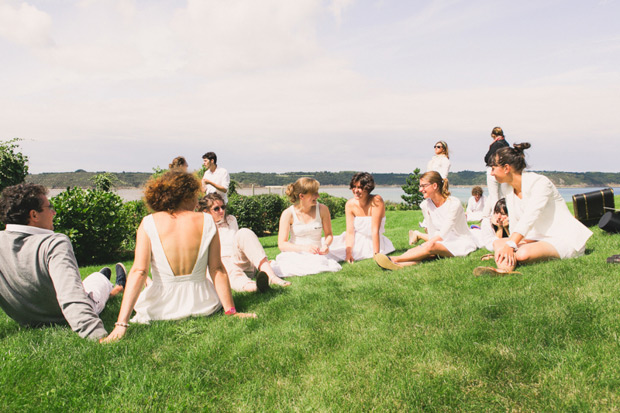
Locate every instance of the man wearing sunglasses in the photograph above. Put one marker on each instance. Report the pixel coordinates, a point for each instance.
(40, 283)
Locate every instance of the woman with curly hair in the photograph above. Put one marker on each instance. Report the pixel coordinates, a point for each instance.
(305, 252)
(178, 164)
(178, 244)
(365, 215)
(541, 226)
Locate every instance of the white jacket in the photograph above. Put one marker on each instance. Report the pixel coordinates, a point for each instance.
(542, 213)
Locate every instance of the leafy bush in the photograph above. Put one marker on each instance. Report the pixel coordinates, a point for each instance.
(133, 212)
(248, 211)
(94, 220)
(334, 203)
(13, 164)
(260, 213)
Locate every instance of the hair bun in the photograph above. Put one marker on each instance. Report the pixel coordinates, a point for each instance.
(522, 146)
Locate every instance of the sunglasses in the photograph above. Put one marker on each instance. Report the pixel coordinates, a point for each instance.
(438, 147)
(218, 208)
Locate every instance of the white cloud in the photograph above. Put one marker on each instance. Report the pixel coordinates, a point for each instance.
(25, 24)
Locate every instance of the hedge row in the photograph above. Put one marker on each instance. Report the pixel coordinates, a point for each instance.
(102, 228)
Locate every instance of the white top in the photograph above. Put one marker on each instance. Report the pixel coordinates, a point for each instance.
(227, 228)
(475, 208)
(542, 213)
(221, 177)
(362, 247)
(448, 221)
(439, 163)
(306, 234)
(170, 296)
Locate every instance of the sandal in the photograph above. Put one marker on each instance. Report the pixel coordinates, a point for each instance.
(386, 263)
(614, 259)
(493, 272)
(487, 257)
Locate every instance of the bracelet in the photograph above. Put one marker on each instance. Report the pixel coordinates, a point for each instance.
(118, 323)
(231, 311)
(512, 245)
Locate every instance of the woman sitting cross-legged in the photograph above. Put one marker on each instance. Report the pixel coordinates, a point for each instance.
(475, 205)
(178, 244)
(304, 253)
(541, 226)
(242, 252)
(448, 233)
(365, 214)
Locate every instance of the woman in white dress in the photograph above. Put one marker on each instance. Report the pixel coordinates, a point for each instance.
(242, 253)
(365, 214)
(541, 226)
(448, 233)
(475, 205)
(440, 162)
(178, 244)
(305, 252)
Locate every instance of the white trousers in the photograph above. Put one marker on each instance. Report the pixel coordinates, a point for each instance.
(248, 253)
(98, 288)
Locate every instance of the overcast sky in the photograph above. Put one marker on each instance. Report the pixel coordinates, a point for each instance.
(290, 85)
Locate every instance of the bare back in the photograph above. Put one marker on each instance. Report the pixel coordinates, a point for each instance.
(180, 235)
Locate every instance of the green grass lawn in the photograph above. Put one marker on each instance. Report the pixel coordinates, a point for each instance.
(432, 337)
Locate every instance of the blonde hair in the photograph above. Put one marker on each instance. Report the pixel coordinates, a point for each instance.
(433, 177)
(445, 148)
(302, 186)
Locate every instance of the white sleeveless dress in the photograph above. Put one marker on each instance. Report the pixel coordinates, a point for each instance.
(289, 264)
(362, 248)
(171, 297)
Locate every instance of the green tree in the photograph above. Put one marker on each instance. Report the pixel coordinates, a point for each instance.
(413, 196)
(13, 164)
(104, 181)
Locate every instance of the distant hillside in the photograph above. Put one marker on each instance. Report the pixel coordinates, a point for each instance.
(138, 179)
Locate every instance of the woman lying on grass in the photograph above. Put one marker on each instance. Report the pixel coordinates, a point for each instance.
(541, 226)
(304, 253)
(180, 244)
(365, 215)
(242, 252)
(448, 233)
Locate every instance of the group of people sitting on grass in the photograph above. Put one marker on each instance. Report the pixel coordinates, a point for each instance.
(196, 253)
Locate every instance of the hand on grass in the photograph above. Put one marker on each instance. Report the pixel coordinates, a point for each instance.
(245, 315)
(115, 335)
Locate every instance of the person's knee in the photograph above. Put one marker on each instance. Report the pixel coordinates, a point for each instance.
(522, 255)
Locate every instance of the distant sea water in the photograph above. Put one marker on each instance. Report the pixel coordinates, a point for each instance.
(389, 193)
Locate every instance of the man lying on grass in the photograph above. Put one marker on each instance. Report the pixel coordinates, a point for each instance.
(40, 283)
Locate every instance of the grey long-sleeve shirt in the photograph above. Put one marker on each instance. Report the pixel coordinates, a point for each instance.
(40, 282)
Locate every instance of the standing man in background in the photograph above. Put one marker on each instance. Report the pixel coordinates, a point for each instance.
(215, 179)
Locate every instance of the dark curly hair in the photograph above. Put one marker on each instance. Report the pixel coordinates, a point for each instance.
(17, 201)
(170, 190)
(365, 179)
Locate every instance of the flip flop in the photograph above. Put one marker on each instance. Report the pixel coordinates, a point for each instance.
(493, 272)
(386, 263)
(614, 259)
(262, 281)
(487, 257)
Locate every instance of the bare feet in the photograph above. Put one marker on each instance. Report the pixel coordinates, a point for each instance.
(413, 237)
(278, 281)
